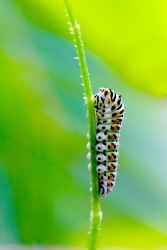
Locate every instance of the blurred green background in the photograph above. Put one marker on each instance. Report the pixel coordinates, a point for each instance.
(44, 181)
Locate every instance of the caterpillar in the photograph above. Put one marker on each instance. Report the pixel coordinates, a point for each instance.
(109, 110)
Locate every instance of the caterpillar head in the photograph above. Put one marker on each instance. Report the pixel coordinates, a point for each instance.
(103, 98)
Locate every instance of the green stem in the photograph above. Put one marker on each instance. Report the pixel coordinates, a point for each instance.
(95, 200)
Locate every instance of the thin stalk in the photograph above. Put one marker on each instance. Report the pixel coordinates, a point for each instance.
(95, 200)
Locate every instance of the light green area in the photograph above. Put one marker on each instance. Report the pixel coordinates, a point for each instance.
(129, 35)
(45, 183)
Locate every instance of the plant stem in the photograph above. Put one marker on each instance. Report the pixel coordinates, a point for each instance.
(95, 200)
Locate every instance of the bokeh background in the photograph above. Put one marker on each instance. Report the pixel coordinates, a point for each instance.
(44, 181)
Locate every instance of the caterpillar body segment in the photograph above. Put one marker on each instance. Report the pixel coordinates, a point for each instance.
(111, 108)
(107, 136)
(116, 113)
(107, 156)
(107, 146)
(117, 120)
(108, 127)
(107, 176)
(107, 166)
(109, 183)
(103, 190)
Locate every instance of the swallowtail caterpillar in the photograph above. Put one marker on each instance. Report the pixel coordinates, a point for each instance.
(109, 110)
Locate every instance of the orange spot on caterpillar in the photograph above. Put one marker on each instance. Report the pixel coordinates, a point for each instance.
(110, 166)
(110, 176)
(114, 127)
(111, 136)
(110, 156)
(110, 145)
(109, 184)
(109, 99)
